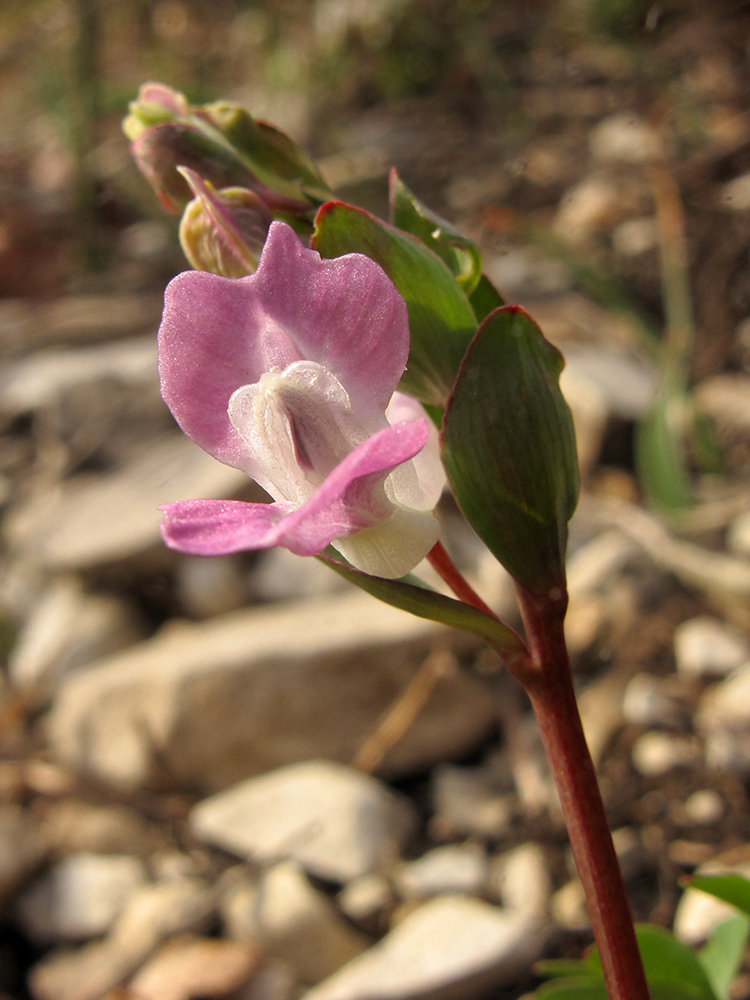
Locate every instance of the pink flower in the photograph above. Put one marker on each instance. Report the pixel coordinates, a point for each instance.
(290, 375)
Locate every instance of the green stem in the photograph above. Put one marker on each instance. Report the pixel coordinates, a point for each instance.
(553, 699)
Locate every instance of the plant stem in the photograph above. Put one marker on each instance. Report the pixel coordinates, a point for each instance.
(444, 566)
(554, 703)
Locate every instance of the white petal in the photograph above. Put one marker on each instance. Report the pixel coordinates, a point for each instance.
(394, 547)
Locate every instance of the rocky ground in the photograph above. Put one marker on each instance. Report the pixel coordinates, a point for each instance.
(238, 778)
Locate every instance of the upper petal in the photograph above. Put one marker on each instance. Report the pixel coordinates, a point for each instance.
(218, 334)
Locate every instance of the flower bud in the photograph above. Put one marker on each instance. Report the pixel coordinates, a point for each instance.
(223, 231)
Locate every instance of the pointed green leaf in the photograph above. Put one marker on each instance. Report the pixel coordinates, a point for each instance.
(485, 299)
(660, 449)
(441, 320)
(411, 595)
(509, 448)
(721, 957)
(672, 969)
(732, 889)
(458, 252)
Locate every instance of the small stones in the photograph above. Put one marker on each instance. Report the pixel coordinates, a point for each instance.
(80, 897)
(449, 943)
(704, 807)
(647, 703)
(465, 803)
(656, 753)
(707, 647)
(337, 822)
(454, 868)
(626, 138)
(521, 880)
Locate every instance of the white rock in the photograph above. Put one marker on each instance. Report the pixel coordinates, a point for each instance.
(568, 907)
(726, 398)
(69, 629)
(626, 381)
(635, 236)
(336, 822)
(625, 137)
(735, 194)
(40, 379)
(646, 703)
(527, 271)
(590, 411)
(450, 947)
(454, 869)
(366, 898)
(80, 897)
(593, 202)
(465, 803)
(738, 535)
(282, 576)
(704, 806)
(190, 966)
(98, 519)
(214, 702)
(209, 587)
(726, 705)
(656, 753)
(152, 915)
(708, 647)
(521, 879)
(296, 923)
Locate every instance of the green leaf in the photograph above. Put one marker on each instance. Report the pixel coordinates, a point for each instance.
(411, 595)
(732, 889)
(558, 968)
(441, 320)
(573, 988)
(660, 452)
(722, 955)
(457, 251)
(672, 969)
(509, 448)
(485, 299)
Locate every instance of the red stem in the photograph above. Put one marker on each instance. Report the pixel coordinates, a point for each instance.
(554, 702)
(444, 566)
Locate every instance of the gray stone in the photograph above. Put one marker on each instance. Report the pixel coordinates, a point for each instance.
(210, 703)
(153, 914)
(626, 138)
(336, 822)
(704, 807)
(452, 869)
(294, 922)
(367, 898)
(80, 897)
(98, 519)
(521, 879)
(450, 947)
(465, 803)
(647, 703)
(190, 966)
(69, 629)
(708, 647)
(656, 753)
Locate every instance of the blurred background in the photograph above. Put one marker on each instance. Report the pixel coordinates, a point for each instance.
(598, 151)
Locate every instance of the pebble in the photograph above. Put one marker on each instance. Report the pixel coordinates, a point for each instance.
(704, 807)
(646, 703)
(80, 897)
(738, 535)
(282, 576)
(206, 704)
(735, 194)
(336, 822)
(294, 922)
(708, 647)
(190, 966)
(453, 868)
(92, 521)
(209, 587)
(657, 753)
(365, 900)
(625, 138)
(594, 202)
(465, 803)
(521, 880)
(451, 945)
(635, 236)
(726, 398)
(726, 705)
(69, 629)
(568, 907)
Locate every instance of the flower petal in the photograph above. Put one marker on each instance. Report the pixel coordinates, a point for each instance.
(418, 484)
(218, 334)
(349, 500)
